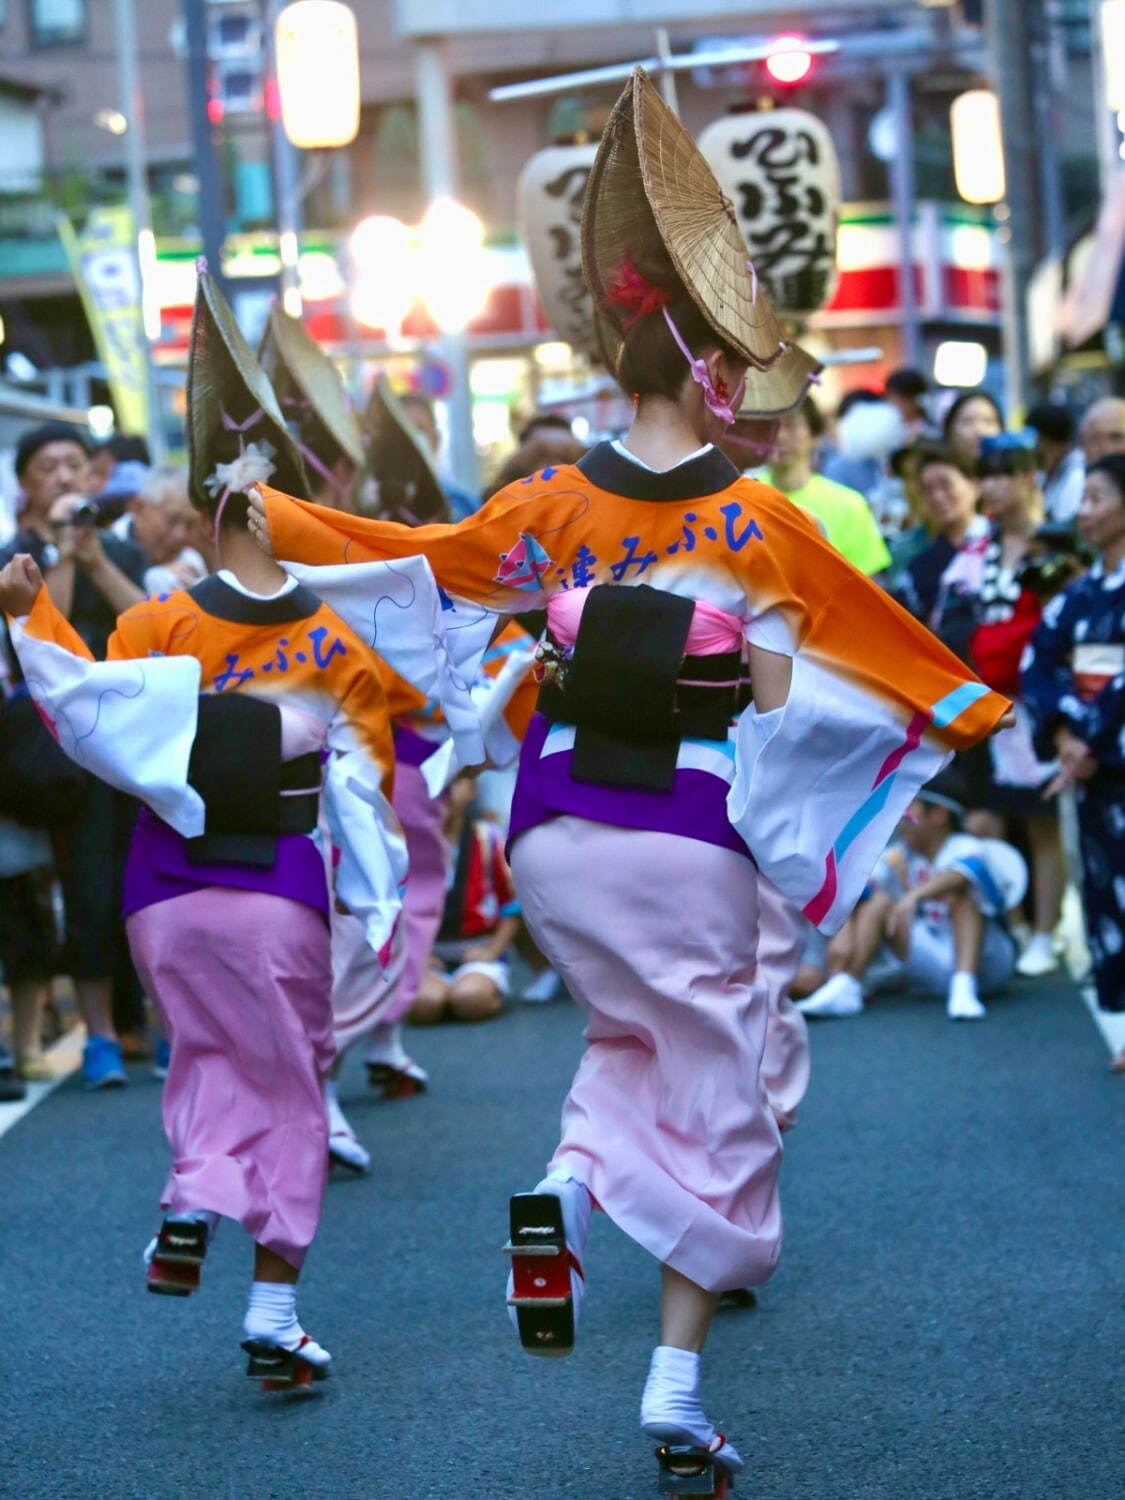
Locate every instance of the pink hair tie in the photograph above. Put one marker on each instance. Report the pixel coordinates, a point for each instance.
(725, 410)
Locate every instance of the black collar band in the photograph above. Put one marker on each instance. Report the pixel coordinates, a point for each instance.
(216, 597)
(708, 474)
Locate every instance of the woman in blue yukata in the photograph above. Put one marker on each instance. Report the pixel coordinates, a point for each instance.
(1073, 681)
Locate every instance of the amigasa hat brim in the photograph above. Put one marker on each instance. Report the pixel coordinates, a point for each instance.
(652, 198)
(296, 365)
(226, 390)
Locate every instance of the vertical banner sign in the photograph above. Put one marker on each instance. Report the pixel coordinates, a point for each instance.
(550, 193)
(103, 263)
(780, 170)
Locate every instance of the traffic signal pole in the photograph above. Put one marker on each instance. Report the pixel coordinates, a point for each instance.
(1009, 43)
(212, 223)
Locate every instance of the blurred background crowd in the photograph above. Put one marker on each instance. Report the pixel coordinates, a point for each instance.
(973, 525)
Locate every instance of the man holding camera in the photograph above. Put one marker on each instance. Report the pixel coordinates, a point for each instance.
(91, 577)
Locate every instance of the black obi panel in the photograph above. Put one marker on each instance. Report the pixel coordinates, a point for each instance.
(631, 692)
(236, 768)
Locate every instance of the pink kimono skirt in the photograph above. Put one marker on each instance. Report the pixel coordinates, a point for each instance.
(242, 982)
(422, 818)
(667, 1122)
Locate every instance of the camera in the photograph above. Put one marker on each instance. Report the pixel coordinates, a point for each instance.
(85, 514)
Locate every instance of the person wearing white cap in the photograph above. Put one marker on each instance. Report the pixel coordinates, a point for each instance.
(933, 913)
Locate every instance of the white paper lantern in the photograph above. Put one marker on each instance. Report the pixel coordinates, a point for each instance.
(551, 188)
(318, 73)
(978, 146)
(780, 170)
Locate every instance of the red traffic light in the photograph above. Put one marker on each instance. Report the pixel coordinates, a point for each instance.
(789, 60)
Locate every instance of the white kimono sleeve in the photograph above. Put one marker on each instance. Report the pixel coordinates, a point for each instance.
(370, 876)
(434, 642)
(129, 723)
(820, 786)
(491, 695)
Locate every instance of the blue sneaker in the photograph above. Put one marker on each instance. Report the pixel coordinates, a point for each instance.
(103, 1064)
(161, 1057)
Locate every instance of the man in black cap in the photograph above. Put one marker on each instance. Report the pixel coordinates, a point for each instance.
(91, 578)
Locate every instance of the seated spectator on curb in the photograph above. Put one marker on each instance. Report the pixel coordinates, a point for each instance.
(934, 912)
(469, 977)
(844, 514)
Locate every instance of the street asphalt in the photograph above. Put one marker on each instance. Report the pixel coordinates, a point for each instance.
(948, 1321)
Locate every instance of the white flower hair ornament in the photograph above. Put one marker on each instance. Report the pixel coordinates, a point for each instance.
(254, 465)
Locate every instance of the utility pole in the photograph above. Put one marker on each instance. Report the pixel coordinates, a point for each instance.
(212, 222)
(1107, 130)
(286, 178)
(136, 172)
(1009, 44)
(903, 186)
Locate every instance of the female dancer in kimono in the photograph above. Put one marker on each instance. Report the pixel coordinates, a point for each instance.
(402, 484)
(1073, 682)
(641, 820)
(226, 897)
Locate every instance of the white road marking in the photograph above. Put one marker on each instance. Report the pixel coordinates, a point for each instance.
(65, 1056)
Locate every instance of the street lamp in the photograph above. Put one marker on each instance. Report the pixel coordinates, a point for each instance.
(453, 273)
(443, 264)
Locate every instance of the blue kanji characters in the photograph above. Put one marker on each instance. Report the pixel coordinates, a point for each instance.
(642, 563)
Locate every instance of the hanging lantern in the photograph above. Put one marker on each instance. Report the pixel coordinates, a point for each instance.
(781, 172)
(318, 73)
(550, 192)
(978, 147)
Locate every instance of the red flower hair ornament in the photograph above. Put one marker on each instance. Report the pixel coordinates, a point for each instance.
(632, 293)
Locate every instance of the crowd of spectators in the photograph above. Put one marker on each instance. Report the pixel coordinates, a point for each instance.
(984, 526)
(971, 526)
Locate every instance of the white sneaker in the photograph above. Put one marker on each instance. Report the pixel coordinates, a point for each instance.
(842, 995)
(963, 1005)
(1039, 957)
(543, 987)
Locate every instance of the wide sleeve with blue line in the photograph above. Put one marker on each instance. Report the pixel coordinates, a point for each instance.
(876, 707)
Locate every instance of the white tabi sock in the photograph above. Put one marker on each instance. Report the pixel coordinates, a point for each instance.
(342, 1139)
(671, 1411)
(272, 1317)
(963, 1003)
(577, 1206)
(384, 1045)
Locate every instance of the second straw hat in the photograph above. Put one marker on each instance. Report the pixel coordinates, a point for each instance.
(653, 198)
(406, 479)
(302, 375)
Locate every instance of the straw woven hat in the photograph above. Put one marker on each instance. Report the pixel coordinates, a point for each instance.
(303, 377)
(224, 380)
(406, 484)
(653, 198)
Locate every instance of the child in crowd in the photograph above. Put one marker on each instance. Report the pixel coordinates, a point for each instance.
(468, 978)
(934, 910)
